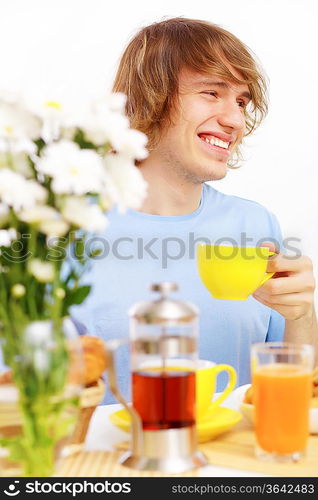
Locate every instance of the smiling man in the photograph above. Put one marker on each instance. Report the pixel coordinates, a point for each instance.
(196, 91)
(207, 128)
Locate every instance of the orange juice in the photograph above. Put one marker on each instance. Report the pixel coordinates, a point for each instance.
(281, 395)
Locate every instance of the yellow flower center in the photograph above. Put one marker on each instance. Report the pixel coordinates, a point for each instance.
(53, 105)
(8, 129)
(73, 170)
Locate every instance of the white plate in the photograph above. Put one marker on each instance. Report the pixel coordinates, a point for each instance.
(247, 409)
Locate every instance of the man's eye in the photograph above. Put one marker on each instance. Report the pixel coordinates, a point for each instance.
(210, 92)
(242, 104)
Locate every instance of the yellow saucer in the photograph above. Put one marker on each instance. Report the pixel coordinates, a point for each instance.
(214, 422)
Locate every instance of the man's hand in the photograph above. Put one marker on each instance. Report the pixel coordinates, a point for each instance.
(291, 290)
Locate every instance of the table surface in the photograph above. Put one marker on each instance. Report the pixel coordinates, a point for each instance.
(231, 454)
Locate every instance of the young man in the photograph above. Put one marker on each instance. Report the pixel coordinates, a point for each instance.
(196, 91)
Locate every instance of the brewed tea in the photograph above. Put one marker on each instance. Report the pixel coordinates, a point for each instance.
(164, 399)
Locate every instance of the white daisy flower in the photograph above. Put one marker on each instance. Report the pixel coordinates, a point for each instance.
(125, 185)
(47, 219)
(38, 213)
(54, 228)
(131, 143)
(103, 126)
(79, 212)
(7, 236)
(19, 163)
(18, 192)
(56, 111)
(73, 170)
(18, 128)
(42, 271)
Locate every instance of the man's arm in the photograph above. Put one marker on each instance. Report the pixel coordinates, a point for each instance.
(291, 293)
(303, 331)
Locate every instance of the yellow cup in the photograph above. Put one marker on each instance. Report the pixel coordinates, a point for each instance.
(206, 373)
(232, 273)
(206, 378)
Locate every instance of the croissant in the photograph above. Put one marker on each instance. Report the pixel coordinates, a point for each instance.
(248, 396)
(6, 377)
(94, 358)
(315, 378)
(94, 361)
(314, 394)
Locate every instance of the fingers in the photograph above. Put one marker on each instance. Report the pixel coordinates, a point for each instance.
(303, 282)
(270, 245)
(290, 312)
(287, 299)
(281, 263)
(291, 293)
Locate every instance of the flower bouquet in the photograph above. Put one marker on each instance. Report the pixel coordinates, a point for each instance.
(62, 167)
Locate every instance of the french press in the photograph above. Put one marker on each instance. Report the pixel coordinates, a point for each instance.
(163, 354)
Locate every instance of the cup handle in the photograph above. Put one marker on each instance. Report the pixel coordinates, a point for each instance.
(267, 275)
(230, 385)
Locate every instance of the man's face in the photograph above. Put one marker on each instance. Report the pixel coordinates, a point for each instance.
(208, 125)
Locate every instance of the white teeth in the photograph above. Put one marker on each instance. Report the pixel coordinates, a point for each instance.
(217, 142)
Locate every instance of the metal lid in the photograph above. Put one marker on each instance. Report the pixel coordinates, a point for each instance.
(164, 310)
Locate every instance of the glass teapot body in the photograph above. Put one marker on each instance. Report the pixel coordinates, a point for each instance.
(163, 360)
(163, 354)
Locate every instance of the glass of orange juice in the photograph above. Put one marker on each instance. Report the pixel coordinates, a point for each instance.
(281, 379)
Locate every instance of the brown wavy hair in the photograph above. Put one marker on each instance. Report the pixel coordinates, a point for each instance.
(149, 68)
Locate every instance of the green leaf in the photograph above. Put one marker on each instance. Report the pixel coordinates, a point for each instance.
(40, 144)
(79, 250)
(95, 253)
(78, 296)
(81, 140)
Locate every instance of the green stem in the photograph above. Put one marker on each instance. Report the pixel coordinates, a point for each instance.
(31, 295)
(9, 158)
(40, 446)
(30, 300)
(4, 301)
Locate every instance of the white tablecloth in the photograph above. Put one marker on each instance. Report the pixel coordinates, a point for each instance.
(103, 435)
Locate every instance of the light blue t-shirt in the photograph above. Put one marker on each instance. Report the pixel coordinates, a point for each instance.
(140, 249)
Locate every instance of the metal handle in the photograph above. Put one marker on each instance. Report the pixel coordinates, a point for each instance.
(136, 423)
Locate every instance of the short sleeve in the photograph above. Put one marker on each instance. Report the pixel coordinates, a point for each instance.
(277, 236)
(276, 327)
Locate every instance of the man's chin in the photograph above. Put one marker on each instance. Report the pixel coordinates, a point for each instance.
(216, 174)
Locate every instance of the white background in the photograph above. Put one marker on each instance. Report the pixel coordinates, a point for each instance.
(76, 44)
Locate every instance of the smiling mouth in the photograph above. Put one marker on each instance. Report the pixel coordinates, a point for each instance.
(215, 144)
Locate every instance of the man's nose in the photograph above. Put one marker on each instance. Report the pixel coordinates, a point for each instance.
(231, 116)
